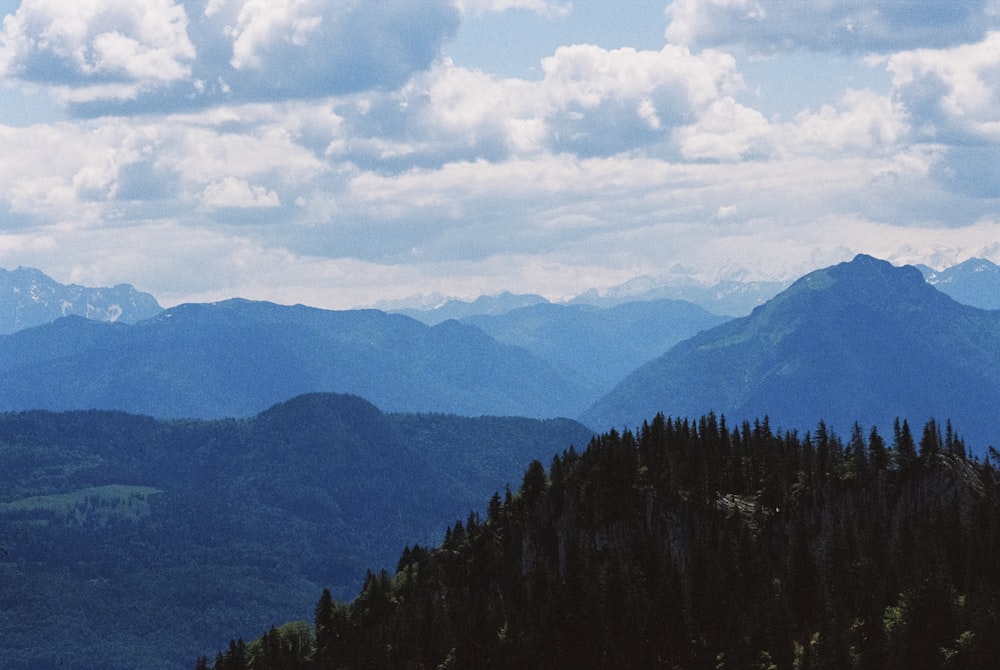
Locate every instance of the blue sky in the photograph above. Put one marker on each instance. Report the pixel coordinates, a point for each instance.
(341, 153)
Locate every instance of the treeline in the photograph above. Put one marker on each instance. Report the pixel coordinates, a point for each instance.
(690, 544)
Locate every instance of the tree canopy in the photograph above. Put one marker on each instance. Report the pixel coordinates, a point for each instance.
(692, 544)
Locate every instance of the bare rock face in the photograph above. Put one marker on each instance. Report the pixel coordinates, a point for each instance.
(28, 297)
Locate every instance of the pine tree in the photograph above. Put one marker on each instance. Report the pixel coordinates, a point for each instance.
(906, 450)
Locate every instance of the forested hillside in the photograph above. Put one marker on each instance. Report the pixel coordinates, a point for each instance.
(691, 544)
(134, 544)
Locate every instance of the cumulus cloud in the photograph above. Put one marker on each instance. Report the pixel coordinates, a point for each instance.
(122, 56)
(952, 91)
(590, 101)
(233, 192)
(59, 174)
(864, 122)
(260, 24)
(768, 26)
(726, 131)
(137, 44)
(288, 148)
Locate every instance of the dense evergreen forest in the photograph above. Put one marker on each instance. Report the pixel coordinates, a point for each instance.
(130, 543)
(691, 544)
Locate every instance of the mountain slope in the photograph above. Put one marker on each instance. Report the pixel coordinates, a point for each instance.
(861, 341)
(135, 543)
(601, 345)
(973, 282)
(30, 298)
(237, 357)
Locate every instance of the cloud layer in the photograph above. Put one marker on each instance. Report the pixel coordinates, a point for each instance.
(327, 152)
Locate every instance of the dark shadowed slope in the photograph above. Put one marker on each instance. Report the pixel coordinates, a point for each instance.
(862, 341)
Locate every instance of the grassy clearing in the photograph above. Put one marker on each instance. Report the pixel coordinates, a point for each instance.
(95, 505)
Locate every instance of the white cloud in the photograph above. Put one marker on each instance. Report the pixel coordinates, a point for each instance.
(261, 23)
(591, 100)
(865, 122)
(64, 172)
(201, 155)
(952, 90)
(136, 56)
(726, 131)
(140, 43)
(308, 49)
(321, 149)
(233, 192)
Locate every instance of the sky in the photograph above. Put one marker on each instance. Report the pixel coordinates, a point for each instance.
(339, 153)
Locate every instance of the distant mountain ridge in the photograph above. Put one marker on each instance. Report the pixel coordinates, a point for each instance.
(492, 305)
(598, 345)
(728, 297)
(28, 297)
(975, 282)
(237, 357)
(863, 340)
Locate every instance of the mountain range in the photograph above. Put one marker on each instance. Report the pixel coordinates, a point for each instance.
(974, 282)
(133, 543)
(237, 357)
(234, 503)
(893, 342)
(29, 298)
(861, 341)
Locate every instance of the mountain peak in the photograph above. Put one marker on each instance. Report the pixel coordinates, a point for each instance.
(868, 269)
(864, 279)
(860, 341)
(29, 297)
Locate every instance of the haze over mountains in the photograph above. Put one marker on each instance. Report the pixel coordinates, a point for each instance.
(237, 357)
(599, 346)
(895, 344)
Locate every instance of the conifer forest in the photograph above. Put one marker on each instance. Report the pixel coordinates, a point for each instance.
(691, 544)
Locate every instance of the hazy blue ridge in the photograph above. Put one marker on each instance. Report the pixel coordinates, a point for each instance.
(483, 305)
(860, 341)
(237, 357)
(598, 345)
